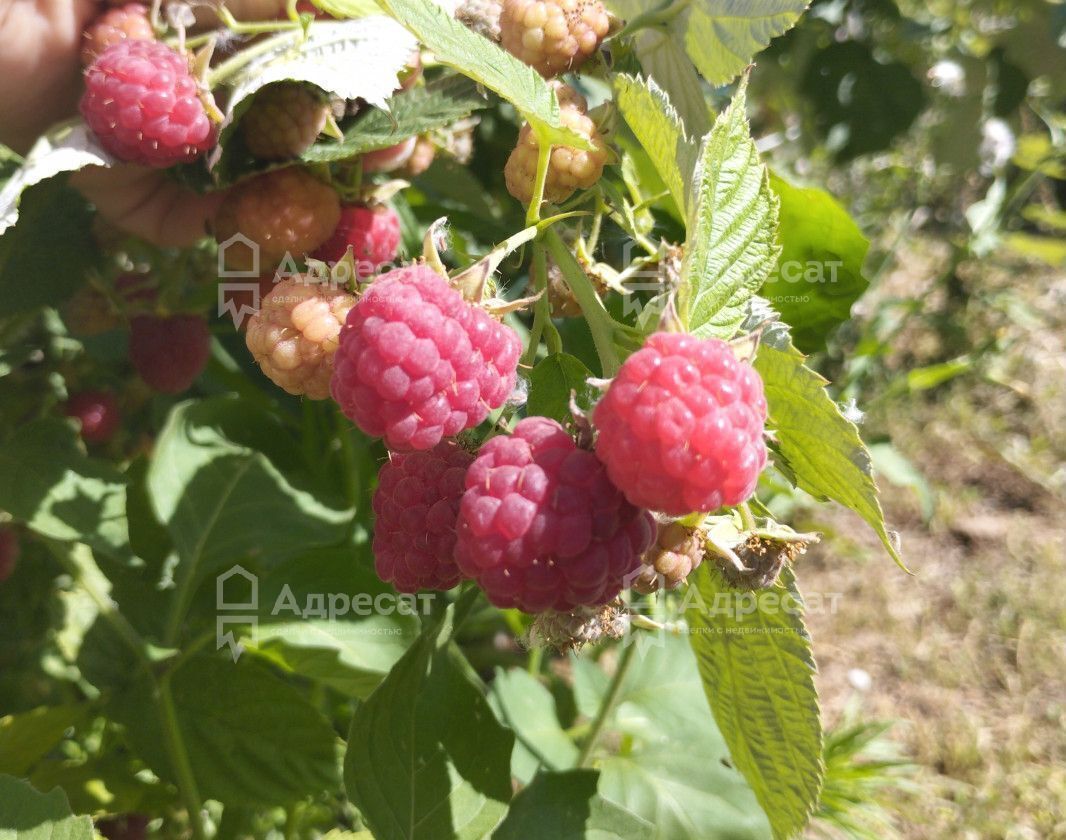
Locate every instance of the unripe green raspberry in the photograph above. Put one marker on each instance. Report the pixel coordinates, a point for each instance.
(569, 168)
(284, 121)
(294, 335)
(677, 553)
(553, 36)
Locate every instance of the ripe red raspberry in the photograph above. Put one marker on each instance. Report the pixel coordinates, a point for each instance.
(390, 158)
(286, 213)
(128, 22)
(542, 527)
(169, 353)
(418, 363)
(284, 120)
(9, 551)
(294, 335)
(681, 426)
(569, 168)
(372, 232)
(143, 104)
(98, 413)
(415, 505)
(553, 36)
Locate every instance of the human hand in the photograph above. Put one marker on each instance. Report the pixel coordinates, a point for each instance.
(39, 65)
(40, 82)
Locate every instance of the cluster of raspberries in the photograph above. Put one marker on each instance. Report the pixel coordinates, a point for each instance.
(541, 522)
(544, 524)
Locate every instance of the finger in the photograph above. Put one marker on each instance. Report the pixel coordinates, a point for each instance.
(146, 203)
(40, 70)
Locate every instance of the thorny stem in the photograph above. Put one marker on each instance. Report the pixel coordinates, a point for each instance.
(607, 705)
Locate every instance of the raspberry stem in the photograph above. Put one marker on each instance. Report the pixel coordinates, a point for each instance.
(542, 320)
(231, 66)
(601, 324)
(544, 154)
(607, 705)
(180, 756)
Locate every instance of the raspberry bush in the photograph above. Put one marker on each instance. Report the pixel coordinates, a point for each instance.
(465, 432)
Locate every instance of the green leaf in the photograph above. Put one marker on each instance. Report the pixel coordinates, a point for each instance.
(351, 60)
(426, 757)
(49, 253)
(106, 784)
(251, 738)
(222, 497)
(820, 447)
(754, 656)
(566, 806)
(48, 482)
(720, 36)
(351, 652)
(860, 104)
(663, 59)
(730, 248)
(819, 272)
(441, 102)
(723, 36)
(66, 148)
(551, 382)
(656, 124)
(528, 709)
(672, 769)
(28, 737)
(455, 46)
(26, 814)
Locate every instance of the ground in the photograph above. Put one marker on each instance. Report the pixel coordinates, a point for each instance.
(968, 655)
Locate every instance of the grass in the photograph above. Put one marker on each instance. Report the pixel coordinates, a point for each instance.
(968, 657)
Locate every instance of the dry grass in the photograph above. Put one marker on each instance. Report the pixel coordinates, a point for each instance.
(969, 655)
